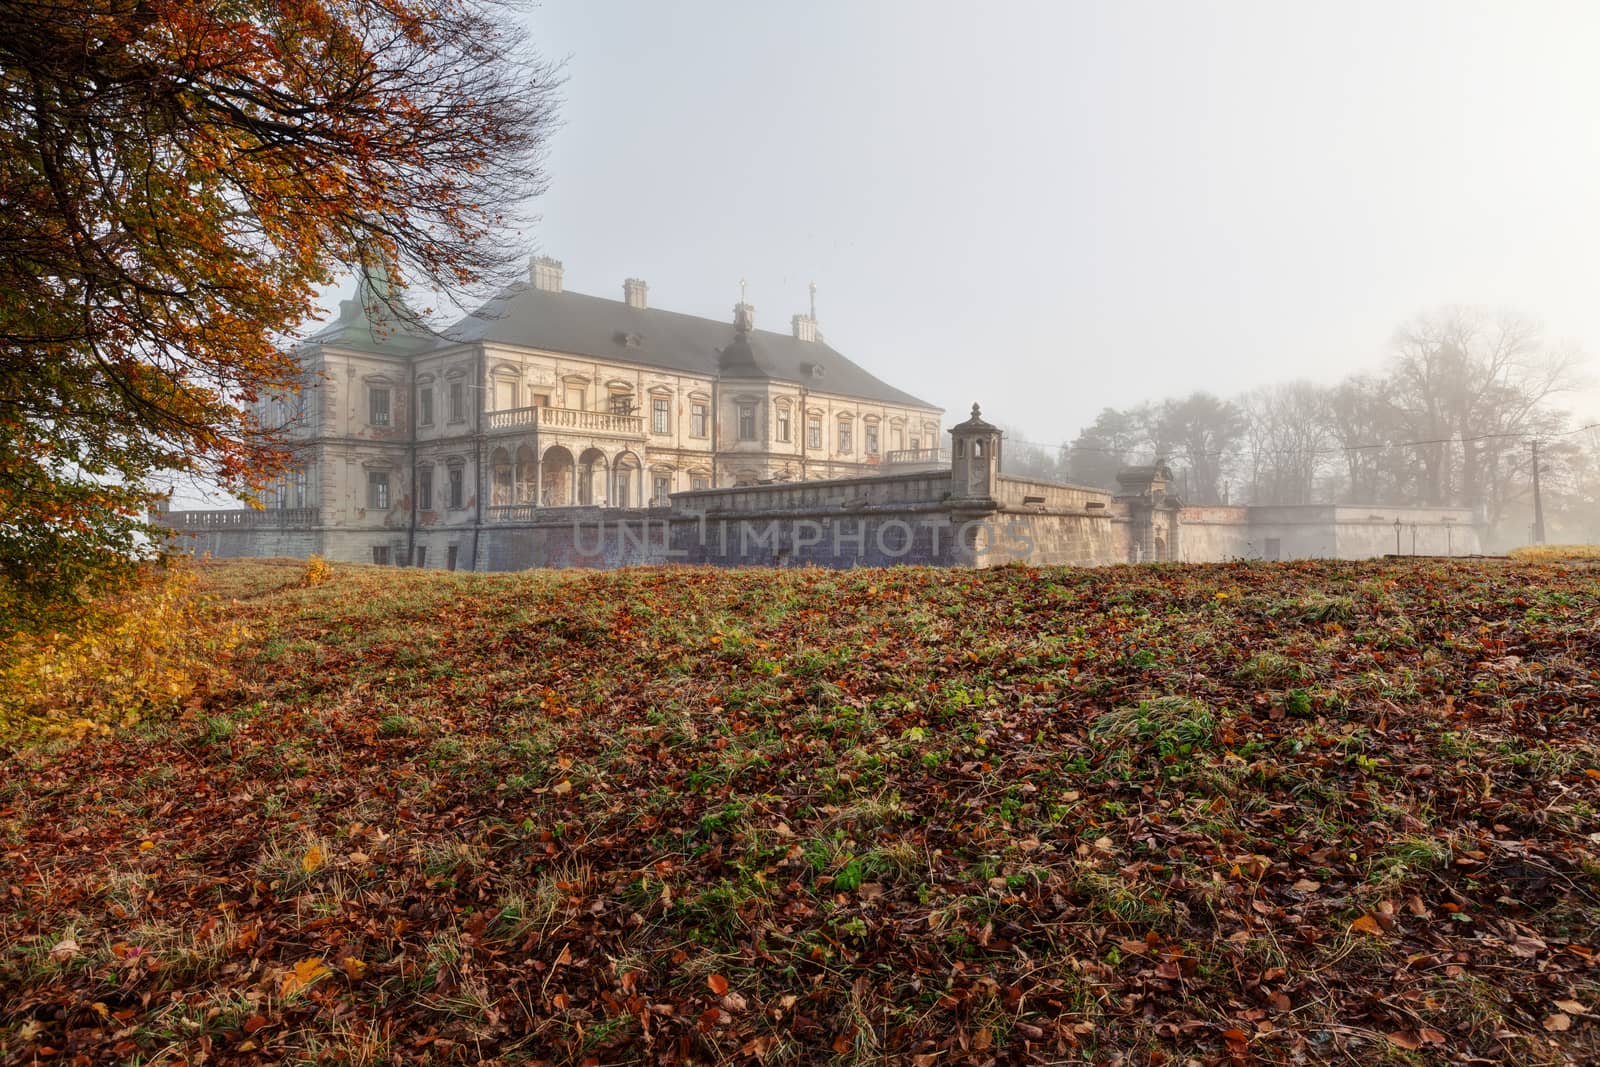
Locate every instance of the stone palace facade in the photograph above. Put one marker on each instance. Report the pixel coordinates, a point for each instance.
(411, 445)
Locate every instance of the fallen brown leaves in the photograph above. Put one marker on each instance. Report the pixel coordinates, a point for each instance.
(1339, 812)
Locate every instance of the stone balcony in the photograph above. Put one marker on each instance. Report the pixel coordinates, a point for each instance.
(591, 423)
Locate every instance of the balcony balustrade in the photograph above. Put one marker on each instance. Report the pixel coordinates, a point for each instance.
(597, 423)
(237, 519)
(911, 458)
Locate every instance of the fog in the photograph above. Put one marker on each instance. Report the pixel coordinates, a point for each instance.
(1058, 207)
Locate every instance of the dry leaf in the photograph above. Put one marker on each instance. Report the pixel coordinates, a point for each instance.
(312, 860)
(1558, 1022)
(1367, 925)
(305, 972)
(718, 984)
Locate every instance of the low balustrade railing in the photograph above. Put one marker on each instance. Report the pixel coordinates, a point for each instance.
(596, 422)
(916, 457)
(236, 518)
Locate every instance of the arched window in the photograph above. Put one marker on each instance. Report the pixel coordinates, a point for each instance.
(527, 483)
(500, 492)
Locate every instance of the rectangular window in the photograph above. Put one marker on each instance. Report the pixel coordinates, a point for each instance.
(872, 439)
(380, 555)
(422, 557)
(378, 405)
(458, 402)
(450, 554)
(457, 488)
(697, 419)
(782, 418)
(540, 400)
(577, 399)
(844, 437)
(299, 487)
(661, 488)
(425, 406)
(747, 422)
(699, 482)
(660, 415)
(378, 490)
(814, 431)
(622, 403)
(916, 443)
(425, 488)
(505, 394)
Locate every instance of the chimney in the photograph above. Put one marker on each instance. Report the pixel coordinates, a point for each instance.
(635, 292)
(545, 273)
(805, 326)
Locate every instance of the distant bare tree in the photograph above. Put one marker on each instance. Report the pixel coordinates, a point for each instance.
(1021, 458)
(1469, 379)
(1286, 431)
(1358, 416)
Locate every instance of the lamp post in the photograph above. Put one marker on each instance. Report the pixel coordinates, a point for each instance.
(1413, 539)
(1397, 535)
(1449, 540)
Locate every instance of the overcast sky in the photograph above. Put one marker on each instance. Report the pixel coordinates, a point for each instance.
(1053, 207)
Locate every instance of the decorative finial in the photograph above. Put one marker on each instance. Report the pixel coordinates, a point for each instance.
(741, 291)
(975, 412)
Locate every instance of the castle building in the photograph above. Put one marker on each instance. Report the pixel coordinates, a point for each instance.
(410, 445)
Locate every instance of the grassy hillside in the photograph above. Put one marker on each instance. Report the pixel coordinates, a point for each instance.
(1250, 813)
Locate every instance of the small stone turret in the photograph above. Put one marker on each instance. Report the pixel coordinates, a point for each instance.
(975, 458)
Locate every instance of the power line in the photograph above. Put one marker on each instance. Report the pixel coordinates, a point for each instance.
(1330, 451)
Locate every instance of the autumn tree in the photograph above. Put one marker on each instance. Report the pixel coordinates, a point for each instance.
(177, 179)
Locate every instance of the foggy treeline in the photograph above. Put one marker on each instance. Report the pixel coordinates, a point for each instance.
(1449, 419)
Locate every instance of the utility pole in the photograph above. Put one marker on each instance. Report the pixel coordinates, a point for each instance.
(1538, 500)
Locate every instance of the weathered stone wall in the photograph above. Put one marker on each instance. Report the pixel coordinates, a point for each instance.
(925, 487)
(1019, 492)
(251, 543)
(577, 537)
(1362, 533)
(885, 537)
(1084, 540)
(896, 519)
(1215, 533)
